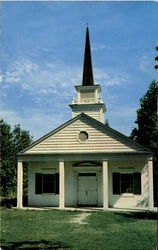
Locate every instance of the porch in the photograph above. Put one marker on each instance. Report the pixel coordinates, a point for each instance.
(88, 182)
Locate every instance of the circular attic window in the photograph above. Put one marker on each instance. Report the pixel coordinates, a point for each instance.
(83, 136)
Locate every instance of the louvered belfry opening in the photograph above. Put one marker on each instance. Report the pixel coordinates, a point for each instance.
(87, 79)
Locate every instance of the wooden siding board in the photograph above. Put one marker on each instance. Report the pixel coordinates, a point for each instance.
(73, 150)
(82, 146)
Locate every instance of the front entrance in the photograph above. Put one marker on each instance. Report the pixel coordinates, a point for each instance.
(87, 189)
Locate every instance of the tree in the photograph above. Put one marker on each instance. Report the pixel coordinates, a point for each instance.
(156, 59)
(146, 132)
(12, 142)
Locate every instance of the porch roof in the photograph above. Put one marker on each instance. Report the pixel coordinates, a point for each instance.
(113, 156)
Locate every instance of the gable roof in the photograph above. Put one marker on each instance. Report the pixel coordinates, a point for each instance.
(104, 129)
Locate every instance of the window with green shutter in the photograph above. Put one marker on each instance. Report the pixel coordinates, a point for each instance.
(126, 183)
(46, 183)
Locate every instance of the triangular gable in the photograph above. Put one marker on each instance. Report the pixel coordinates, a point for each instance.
(102, 138)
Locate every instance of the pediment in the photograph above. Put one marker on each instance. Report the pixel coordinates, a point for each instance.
(101, 139)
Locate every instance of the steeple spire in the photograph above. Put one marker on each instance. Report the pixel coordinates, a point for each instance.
(88, 94)
(87, 79)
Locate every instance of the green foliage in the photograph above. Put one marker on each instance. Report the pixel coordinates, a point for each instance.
(147, 120)
(12, 142)
(147, 131)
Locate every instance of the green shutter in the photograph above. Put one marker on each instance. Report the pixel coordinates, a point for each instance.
(116, 183)
(57, 183)
(38, 183)
(137, 183)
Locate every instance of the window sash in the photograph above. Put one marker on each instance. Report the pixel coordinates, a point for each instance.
(127, 183)
(46, 183)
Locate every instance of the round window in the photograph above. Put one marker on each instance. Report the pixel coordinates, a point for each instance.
(83, 136)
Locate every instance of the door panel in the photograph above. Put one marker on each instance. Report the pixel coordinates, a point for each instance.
(87, 190)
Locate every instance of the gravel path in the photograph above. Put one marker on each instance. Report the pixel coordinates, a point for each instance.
(80, 219)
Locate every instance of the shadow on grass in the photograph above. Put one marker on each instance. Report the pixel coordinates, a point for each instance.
(140, 215)
(32, 245)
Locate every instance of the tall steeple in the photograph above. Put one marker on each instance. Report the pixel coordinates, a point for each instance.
(88, 94)
(87, 79)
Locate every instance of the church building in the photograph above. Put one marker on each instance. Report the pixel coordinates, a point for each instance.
(85, 162)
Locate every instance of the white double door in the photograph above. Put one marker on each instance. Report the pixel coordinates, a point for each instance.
(87, 189)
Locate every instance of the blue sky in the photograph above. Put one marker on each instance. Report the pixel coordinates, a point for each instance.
(42, 59)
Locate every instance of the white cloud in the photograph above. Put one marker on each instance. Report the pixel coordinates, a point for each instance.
(109, 78)
(41, 80)
(97, 47)
(55, 78)
(1, 77)
(19, 69)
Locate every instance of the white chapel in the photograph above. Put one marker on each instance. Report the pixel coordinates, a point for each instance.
(84, 162)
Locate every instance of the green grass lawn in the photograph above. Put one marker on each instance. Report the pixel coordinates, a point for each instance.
(52, 229)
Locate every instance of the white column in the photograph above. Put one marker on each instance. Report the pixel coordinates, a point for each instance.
(62, 185)
(20, 185)
(105, 185)
(151, 187)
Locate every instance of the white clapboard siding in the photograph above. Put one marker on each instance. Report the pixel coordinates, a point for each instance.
(100, 140)
(95, 115)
